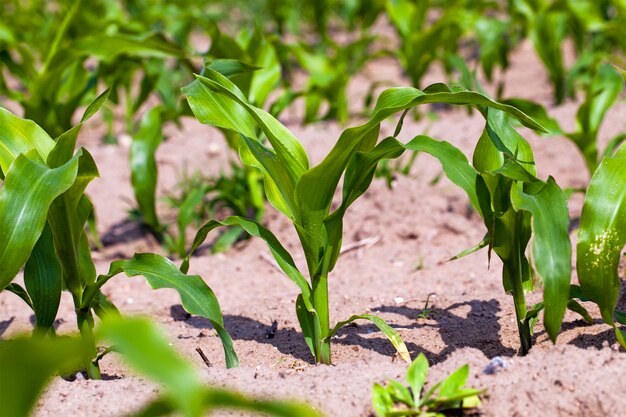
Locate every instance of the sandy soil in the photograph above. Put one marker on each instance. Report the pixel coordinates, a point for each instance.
(419, 226)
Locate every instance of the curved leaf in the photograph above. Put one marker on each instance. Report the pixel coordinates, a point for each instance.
(254, 228)
(19, 136)
(315, 189)
(387, 330)
(29, 189)
(196, 296)
(454, 163)
(552, 250)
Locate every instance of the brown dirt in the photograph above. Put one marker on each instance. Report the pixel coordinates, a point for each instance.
(419, 226)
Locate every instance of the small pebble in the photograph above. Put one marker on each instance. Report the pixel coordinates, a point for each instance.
(495, 365)
(125, 140)
(398, 300)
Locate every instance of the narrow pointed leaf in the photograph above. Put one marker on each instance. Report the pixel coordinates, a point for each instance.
(552, 251)
(143, 165)
(196, 296)
(43, 278)
(416, 375)
(254, 228)
(387, 330)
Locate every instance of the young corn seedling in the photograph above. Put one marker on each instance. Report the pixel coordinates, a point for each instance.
(43, 213)
(442, 398)
(516, 206)
(250, 60)
(304, 194)
(600, 94)
(601, 239)
(29, 364)
(601, 91)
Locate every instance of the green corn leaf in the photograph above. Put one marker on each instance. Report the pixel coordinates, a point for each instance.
(20, 292)
(576, 307)
(230, 67)
(416, 376)
(264, 80)
(551, 245)
(254, 228)
(109, 47)
(219, 110)
(602, 234)
(308, 323)
(357, 179)
(387, 330)
(226, 108)
(613, 144)
(18, 136)
(196, 297)
(146, 350)
(315, 189)
(605, 88)
(96, 105)
(69, 213)
(143, 166)
(279, 185)
(220, 399)
(26, 365)
(508, 141)
(469, 396)
(185, 216)
(29, 189)
(43, 278)
(454, 163)
(483, 243)
(538, 113)
(282, 140)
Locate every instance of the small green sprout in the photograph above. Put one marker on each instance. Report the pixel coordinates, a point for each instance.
(426, 312)
(398, 400)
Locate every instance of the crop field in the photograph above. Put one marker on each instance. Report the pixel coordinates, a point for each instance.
(309, 208)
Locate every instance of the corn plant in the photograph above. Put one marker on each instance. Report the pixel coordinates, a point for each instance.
(43, 212)
(600, 94)
(601, 91)
(328, 74)
(516, 206)
(442, 398)
(304, 194)
(601, 239)
(28, 364)
(250, 60)
(425, 41)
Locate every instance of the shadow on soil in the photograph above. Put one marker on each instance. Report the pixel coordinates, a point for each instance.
(125, 231)
(4, 325)
(479, 328)
(287, 340)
